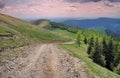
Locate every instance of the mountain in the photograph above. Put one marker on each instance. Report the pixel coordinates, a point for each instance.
(111, 24)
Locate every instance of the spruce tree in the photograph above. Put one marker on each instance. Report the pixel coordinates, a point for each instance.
(105, 47)
(85, 40)
(117, 56)
(92, 52)
(91, 44)
(78, 39)
(109, 56)
(89, 49)
(97, 54)
(91, 41)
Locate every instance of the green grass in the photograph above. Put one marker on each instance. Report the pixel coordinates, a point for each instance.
(4, 28)
(28, 30)
(11, 42)
(94, 68)
(39, 34)
(63, 33)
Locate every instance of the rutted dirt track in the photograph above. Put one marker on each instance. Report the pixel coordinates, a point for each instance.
(45, 61)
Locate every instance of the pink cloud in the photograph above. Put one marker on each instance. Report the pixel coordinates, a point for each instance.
(58, 8)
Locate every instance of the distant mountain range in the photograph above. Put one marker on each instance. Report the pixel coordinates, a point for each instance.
(107, 25)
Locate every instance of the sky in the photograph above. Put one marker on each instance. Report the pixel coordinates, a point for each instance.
(61, 8)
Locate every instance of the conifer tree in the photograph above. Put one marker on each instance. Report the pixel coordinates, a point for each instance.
(117, 56)
(91, 41)
(92, 52)
(78, 39)
(97, 54)
(91, 44)
(109, 56)
(85, 40)
(105, 47)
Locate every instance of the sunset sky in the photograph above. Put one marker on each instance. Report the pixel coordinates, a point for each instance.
(61, 8)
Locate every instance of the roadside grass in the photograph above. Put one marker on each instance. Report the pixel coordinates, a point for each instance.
(4, 28)
(81, 54)
(10, 42)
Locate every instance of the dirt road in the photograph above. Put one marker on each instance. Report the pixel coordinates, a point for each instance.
(44, 61)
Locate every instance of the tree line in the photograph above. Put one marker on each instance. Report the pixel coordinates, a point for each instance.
(105, 52)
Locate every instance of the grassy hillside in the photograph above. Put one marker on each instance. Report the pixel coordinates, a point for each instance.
(22, 33)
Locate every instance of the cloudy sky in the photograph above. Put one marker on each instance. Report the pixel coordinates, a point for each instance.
(61, 8)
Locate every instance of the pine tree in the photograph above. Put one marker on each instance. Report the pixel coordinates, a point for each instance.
(78, 39)
(117, 56)
(85, 40)
(91, 41)
(109, 56)
(89, 49)
(105, 47)
(92, 52)
(97, 54)
(91, 44)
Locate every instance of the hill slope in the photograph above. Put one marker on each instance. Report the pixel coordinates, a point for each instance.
(15, 32)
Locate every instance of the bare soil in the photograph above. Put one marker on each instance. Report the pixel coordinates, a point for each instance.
(44, 61)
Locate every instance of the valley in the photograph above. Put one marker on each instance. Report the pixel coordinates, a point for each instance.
(46, 50)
